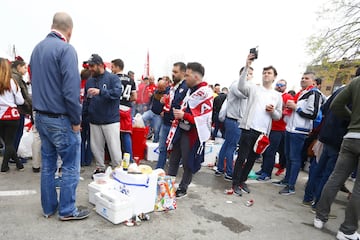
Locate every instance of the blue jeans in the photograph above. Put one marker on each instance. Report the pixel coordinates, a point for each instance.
(86, 155)
(58, 138)
(324, 168)
(19, 132)
(276, 145)
(232, 137)
(294, 143)
(162, 146)
(126, 144)
(154, 120)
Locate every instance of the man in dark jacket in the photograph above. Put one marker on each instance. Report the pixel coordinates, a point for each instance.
(56, 101)
(218, 101)
(347, 161)
(331, 146)
(101, 106)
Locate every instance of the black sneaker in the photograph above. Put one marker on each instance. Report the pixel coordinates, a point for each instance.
(180, 193)
(280, 183)
(218, 173)
(82, 213)
(5, 169)
(237, 190)
(36, 170)
(20, 166)
(227, 177)
(244, 187)
(287, 191)
(98, 170)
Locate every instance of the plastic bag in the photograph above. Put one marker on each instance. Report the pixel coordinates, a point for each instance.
(138, 121)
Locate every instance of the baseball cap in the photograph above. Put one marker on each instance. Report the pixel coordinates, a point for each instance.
(95, 59)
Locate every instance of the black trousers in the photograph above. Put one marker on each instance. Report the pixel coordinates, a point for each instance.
(8, 130)
(245, 153)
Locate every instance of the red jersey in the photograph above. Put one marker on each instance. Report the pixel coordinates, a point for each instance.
(280, 125)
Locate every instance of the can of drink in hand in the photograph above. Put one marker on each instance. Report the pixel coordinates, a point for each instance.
(249, 203)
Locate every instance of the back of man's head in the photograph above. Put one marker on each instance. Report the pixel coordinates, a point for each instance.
(62, 22)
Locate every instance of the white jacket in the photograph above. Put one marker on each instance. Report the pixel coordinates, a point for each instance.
(308, 106)
(253, 93)
(11, 98)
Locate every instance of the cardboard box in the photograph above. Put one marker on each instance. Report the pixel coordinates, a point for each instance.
(141, 188)
(94, 188)
(114, 206)
(152, 151)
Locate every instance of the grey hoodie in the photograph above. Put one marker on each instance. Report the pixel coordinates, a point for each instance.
(236, 104)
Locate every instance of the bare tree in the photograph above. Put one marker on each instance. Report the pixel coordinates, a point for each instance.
(341, 40)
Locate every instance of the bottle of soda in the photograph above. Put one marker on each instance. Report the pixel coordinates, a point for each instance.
(126, 161)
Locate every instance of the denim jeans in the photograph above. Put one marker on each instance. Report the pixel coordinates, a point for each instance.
(126, 144)
(347, 161)
(86, 155)
(293, 146)
(245, 153)
(162, 146)
(154, 120)
(276, 145)
(313, 177)
(19, 132)
(325, 167)
(232, 137)
(58, 138)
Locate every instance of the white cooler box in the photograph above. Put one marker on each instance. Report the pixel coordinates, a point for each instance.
(114, 206)
(141, 188)
(94, 188)
(152, 151)
(212, 150)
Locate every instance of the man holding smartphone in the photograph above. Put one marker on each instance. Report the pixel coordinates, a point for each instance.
(264, 105)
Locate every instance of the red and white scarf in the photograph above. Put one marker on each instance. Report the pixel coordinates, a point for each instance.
(200, 103)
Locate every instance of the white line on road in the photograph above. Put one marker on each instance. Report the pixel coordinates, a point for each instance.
(16, 193)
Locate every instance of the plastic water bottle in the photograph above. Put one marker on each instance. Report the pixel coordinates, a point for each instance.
(126, 161)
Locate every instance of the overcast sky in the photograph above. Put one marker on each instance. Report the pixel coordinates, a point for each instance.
(217, 34)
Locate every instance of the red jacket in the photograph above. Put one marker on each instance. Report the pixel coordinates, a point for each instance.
(280, 125)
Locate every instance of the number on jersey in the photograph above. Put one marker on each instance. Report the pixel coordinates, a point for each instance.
(126, 93)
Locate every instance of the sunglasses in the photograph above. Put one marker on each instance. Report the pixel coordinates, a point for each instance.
(280, 85)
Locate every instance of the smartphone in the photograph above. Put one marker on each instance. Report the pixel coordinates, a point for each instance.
(254, 51)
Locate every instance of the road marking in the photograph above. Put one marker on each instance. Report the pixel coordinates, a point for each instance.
(17, 193)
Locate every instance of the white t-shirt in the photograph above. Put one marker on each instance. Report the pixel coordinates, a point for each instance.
(262, 119)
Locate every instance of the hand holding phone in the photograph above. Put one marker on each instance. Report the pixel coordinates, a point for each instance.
(255, 52)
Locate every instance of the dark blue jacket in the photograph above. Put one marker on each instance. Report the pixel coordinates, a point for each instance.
(103, 108)
(55, 78)
(180, 94)
(333, 128)
(156, 105)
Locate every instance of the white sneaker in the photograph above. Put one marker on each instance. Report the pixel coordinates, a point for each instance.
(318, 223)
(342, 236)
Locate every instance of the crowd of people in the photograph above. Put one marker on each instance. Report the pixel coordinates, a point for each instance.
(91, 113)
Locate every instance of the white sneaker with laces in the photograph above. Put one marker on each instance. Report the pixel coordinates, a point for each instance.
(318, 223)
(342, 236)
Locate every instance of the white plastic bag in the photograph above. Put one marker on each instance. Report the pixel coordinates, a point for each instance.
(25, 150)
(222, 113)
(138, 121)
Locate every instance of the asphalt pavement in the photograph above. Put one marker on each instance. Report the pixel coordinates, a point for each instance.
(205, 213)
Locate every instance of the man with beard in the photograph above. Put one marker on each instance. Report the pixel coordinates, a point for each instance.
(173, 100)
(103, 91)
